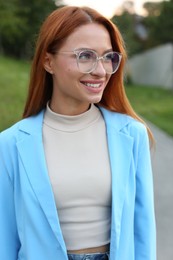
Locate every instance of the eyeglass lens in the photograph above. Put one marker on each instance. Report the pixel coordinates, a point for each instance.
(88, 59)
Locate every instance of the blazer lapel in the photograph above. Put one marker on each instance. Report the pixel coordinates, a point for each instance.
(120, 148)
(31, 152)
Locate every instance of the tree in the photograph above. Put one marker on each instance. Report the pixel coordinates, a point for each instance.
(141, 33)
(129, 23)
(152, 8)
(160, 25)
(9, 22)
(19, 24)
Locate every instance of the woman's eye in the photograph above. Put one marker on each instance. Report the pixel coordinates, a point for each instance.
(85, 55)
(108, 57)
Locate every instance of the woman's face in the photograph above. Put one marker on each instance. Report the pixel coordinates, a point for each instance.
(74, 91)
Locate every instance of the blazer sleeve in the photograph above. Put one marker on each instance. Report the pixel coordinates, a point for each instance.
(144, 220)
(9, 240)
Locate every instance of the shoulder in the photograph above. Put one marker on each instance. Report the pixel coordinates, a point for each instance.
(13, 134)
(10, 134)
(128, 130)
(123, 123)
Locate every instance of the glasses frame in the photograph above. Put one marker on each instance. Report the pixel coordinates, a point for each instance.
(77, 53)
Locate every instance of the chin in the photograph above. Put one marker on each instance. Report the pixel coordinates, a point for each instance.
(95, 99)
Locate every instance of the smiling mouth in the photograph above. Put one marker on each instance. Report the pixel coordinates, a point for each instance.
(92, 85)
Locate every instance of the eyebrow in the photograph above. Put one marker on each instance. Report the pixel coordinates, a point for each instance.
(94, 50)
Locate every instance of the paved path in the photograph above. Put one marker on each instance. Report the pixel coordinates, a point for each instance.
(162, 161)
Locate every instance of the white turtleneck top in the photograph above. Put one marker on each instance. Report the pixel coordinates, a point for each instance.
(78, 165)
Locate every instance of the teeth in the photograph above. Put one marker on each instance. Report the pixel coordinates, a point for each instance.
(92, 85)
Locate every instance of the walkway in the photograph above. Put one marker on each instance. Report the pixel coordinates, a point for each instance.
(162, 160)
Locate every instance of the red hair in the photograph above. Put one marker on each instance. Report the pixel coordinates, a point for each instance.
(56, 28)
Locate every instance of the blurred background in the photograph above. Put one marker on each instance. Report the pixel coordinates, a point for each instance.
(147, 29)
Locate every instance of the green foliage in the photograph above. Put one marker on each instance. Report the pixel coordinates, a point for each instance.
(152, 8)
(160, 24)
(19, 24)
(126, 24)
(13, 87)
(154, 104)
(9, 22)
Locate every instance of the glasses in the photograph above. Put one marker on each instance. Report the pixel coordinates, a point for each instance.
(87, 60)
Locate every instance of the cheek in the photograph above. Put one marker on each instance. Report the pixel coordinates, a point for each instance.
(67, 64)
(66, 73)
(68, 69)
(71, 71)
(72, 67)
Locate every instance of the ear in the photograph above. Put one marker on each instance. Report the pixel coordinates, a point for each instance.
(48, 63)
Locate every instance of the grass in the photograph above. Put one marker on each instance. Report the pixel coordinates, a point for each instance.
(154, 104)
(14, 77)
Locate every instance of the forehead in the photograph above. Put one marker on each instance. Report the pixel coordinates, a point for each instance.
(90, 36)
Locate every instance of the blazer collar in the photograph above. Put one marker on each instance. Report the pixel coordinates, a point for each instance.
(115, 120)
(33, 124)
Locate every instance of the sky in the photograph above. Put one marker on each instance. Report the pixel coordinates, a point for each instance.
(107, 7)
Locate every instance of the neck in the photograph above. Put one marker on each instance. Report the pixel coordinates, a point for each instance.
(67, 109)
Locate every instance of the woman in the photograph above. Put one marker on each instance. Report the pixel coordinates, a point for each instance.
(75, 179)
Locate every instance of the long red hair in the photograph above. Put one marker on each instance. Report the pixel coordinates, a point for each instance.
(56, 28)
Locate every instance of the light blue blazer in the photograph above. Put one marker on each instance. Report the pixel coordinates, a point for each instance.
(29, 224)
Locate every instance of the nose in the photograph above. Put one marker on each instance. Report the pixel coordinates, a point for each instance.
(99, 69)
